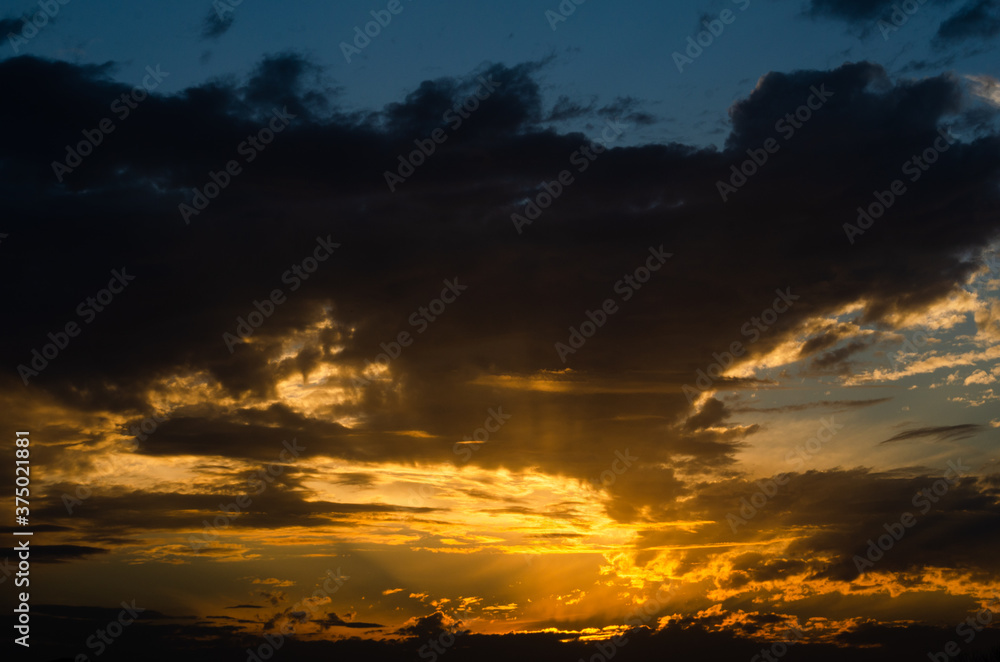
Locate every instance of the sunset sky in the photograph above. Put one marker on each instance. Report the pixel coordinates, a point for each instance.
(544, 334)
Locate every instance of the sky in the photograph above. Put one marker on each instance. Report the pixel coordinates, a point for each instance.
(561, 331)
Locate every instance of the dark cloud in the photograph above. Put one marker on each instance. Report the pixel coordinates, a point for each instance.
(59, 553)
(976, 19)
(258, 434)
(14, 24)
(850, 10)
(120, 519)
(567, 109)
(336, 165)
(713, 413)
(289, 80)
(11, 24)
(836, 512)
(686, 637)
(835, 361)
(760, 569)
(63, 630)
(621, 396)
(324, 176)
(430, 626)
(627, 109)
(332, 620)
(356, 479)
(819, 343)
(217, 23)
(273, 598)
(939, 433)
(839, 405)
